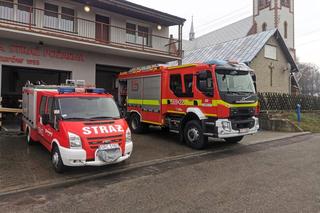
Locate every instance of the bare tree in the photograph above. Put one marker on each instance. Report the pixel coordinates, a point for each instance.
(310, 79)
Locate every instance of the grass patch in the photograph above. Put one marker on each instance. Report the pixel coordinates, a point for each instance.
(309, 121)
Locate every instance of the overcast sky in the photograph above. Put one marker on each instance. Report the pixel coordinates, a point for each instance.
(213, 14)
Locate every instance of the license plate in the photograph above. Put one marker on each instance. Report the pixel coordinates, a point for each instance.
(244, 130)
(109, 152)
(108, 146)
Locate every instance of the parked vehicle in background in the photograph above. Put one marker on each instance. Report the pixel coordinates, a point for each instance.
(214, 99)
(79, 126)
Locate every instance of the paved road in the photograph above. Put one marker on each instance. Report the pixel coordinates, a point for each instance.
(279, 176)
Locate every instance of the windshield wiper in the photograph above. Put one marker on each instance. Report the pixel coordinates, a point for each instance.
(103, 117)
(75, 118)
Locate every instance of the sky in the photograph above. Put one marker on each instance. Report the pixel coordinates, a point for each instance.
(210, 15)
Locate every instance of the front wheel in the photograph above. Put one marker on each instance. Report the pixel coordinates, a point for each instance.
(56, 160)
(234, 139)
(193, 134)
(136, 125)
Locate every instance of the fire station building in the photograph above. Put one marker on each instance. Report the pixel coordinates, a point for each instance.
(51, 41)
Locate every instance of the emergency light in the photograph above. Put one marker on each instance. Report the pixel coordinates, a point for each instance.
(62, 90)
(96, 90)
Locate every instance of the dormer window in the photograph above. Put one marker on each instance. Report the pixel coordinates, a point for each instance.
(285, 3)
(264, 4)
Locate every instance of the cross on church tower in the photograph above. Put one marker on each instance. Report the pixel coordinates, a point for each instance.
(270, 14)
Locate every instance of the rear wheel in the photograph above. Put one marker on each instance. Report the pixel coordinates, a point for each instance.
(136, 125)
(234, 139)
(193, 135)
(28, 137)
(56, 160)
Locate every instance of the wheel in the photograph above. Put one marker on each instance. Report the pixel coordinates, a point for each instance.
(234, 139)
(165, 129)
(193, 135)
(28, 137)
(135, 124)
(56, 160)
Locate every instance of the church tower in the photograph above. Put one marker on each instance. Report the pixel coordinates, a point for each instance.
(192, 34)
(270, 14)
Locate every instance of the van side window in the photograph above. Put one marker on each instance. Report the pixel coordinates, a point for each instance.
(176, 85)
(188, 83)
(42, 109)
(50, 110)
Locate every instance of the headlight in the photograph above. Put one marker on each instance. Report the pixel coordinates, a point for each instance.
(74, 140)
(226, 125)
(128, 136)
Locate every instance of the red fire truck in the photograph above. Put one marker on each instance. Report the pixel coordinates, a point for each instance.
(214, 99)
(79, 126)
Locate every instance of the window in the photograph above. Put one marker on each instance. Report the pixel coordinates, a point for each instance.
(51, 10)
(188, 83)
(264, 4)
(205, 85)
(270, 52)
(137, 34)
(42, 109)
(7, 3)
(285, 30)
(285, 3)
(25, 5)
(51, 16)
(50, 110)
(176, 85)
(264, 27)
(67, 19)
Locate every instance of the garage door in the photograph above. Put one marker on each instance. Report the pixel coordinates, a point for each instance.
(14, 78)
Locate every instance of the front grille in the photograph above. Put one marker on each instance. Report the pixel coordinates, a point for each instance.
(242, 112)
(242, 124)
(95, 142)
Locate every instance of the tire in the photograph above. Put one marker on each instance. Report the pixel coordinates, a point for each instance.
(28, 137)
(135, 124)
(234, 139)
(56, 160)
(193, 135)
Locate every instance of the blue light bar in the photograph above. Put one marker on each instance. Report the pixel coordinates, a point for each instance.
(216, 62)
(62, 90)
(96, 90)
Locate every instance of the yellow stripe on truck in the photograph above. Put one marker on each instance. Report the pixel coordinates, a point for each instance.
(144, 102)
(223, 103)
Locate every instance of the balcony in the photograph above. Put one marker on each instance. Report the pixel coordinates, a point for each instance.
(67, 26)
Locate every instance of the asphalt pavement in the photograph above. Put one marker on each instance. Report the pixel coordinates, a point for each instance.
(277, 176)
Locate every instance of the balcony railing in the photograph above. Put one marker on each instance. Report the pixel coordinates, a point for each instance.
(26, 18)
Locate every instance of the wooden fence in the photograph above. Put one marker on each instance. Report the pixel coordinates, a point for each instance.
(286, 102)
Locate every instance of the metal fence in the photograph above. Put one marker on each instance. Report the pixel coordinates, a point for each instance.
(286, 102)
(99, 31)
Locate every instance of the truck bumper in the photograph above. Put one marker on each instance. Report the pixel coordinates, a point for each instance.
(224, 129)
(77, 157)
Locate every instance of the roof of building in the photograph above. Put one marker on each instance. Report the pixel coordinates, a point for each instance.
(233, 31)
(242, 49)
(136, 11)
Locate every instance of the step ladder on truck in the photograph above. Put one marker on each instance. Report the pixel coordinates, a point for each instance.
(214, 99)
(78, 125)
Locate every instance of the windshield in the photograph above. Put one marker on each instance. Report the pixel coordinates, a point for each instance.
(233, 81)
(88, 108)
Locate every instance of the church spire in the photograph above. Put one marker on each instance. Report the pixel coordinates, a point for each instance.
(192, 33)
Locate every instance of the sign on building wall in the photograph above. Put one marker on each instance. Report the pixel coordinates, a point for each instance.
(27, 55)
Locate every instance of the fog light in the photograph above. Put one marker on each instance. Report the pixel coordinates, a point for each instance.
(226, 125)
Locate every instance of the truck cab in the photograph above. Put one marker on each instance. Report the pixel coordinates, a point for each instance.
(78, 128)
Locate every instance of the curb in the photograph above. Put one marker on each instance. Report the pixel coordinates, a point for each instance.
(131, 167)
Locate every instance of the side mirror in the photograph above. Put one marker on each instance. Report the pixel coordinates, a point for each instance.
(45, 119)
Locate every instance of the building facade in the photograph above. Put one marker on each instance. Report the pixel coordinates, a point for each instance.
(51, 41)
(279, 14)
